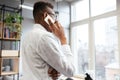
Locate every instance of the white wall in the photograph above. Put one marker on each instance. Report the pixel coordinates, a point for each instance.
(27, 24)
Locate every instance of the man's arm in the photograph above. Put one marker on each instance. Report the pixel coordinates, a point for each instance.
(57, 56)
(57, 29)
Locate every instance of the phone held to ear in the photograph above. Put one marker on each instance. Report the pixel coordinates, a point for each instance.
(49, 17)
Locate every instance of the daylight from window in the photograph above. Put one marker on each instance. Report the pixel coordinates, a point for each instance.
(97, 31)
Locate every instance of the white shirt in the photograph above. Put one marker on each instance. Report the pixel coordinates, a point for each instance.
(40, 50)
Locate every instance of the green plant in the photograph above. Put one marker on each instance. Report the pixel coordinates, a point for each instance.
(17, 28)
(11, 19)
(13, 23)
(8, 18)
(17, 18)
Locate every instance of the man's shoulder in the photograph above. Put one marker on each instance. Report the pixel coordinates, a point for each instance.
(50, 37)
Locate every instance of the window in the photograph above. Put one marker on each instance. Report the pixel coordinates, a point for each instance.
(80, 10)
(106, 46)
(102, 6)
(95, 32)
(81, 47)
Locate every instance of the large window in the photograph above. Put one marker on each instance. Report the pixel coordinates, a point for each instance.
(95, 38)
(81, 10)
(106, 45)
(81, 47)
(102, 6)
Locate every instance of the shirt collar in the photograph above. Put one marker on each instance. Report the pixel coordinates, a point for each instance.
(39, 26)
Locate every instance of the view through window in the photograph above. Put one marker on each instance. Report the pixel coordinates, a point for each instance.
(81, 49)
(106, 46)
(104, 32)
(99, 7)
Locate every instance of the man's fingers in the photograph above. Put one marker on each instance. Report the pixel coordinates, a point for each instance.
(50, 70)
(59, 26)
(50, 22)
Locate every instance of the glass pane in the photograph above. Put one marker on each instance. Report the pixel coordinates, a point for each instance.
(106, 44)
(80, 39)
(80, 10)
(102, 6)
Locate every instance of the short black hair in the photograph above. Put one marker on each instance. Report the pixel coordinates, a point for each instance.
(40, 7)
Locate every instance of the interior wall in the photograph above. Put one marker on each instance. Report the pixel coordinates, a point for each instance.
(27, 24)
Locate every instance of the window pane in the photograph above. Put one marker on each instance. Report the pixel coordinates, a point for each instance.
(80, 10)
(102, 6)
(80, 39)
(106, 44)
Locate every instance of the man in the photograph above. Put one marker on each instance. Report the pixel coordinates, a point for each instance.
(45, 52)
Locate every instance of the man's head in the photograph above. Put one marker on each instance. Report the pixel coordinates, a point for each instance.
(41, 10)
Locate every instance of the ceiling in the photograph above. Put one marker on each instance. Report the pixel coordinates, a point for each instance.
(12, 3)
(53, 1)
(31, 2)
(16, 3)
(66, 0)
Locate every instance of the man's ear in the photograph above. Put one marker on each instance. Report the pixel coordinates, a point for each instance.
(45, 14)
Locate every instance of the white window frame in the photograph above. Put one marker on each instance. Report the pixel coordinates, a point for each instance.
(90, 21)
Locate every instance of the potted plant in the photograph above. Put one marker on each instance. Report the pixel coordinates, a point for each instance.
(17, 30)
(13, 24)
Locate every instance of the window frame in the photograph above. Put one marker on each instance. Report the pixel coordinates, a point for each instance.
(90, 22)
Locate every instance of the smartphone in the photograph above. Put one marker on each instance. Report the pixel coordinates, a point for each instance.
(49, 17)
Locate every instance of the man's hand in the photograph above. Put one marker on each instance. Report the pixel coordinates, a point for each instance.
(53, 73)
(58, 30)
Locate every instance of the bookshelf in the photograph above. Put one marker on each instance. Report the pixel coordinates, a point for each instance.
(10, 33)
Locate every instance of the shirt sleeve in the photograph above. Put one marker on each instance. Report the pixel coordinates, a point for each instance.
(56, 55)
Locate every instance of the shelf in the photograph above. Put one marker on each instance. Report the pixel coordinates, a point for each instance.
(9, 73)
(9, 66)
(9, 53)
(10, 39)
(6, 34)
(10, 35)
(12, 57)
